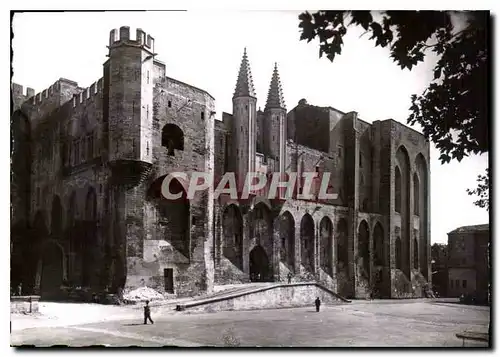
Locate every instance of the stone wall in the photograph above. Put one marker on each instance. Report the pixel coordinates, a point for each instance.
(24, 304)
(273, 298)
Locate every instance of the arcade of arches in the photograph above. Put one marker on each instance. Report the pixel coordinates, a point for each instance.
(255, 242)
(63, 252)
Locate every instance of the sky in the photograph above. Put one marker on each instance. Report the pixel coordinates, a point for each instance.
(204, 49)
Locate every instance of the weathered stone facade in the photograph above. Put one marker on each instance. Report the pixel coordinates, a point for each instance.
(468, 262)
(88, 165)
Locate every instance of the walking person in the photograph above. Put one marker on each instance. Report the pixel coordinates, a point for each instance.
(289, 277)
(317, 302)
(147, 313)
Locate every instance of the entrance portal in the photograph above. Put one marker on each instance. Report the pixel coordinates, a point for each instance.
(259, 265)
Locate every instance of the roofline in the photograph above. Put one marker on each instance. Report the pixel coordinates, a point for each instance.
(471, 228)
(189, 85)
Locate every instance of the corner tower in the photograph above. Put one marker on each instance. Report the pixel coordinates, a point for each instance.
(275, 121)
(244, 121)
(127, 117)
(129, 73)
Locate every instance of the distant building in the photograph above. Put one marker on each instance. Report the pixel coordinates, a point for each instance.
(468, 271)
(439, 256)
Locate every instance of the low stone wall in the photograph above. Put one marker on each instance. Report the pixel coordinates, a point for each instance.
(293, 295)
(24, 304)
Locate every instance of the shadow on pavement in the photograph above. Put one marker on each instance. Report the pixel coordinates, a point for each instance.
(134, 324)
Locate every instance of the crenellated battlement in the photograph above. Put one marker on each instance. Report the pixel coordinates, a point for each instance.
(46, 93)
(122, 36)
(88, 93)
(18, 90)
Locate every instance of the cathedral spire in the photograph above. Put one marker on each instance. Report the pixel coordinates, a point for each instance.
(244, 84)
(275, 95)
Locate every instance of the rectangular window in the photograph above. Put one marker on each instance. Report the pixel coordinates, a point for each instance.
(202, 115)
(457, 283)
(170, 104)
(168, 275)
(464, 284)
(360, 160)
(340, 151)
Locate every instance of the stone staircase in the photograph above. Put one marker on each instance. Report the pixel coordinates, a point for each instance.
(262, 296)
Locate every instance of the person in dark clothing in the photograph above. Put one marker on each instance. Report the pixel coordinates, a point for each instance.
(147, 313)
(317, 302)
(289, 278)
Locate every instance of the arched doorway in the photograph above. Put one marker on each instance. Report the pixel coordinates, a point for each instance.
(259, 265)
(52, 271)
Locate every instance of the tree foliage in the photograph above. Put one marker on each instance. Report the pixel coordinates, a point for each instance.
(452, 111)
(482, 191)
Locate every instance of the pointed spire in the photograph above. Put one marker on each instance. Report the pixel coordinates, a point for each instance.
(244, 84)
(275, 95)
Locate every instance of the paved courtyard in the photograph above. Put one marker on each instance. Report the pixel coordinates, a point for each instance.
(378, 323)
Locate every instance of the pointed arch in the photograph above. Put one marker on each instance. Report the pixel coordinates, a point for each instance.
(326, 245)
(287, 236)
(422, 170)
(307, 242)
(364, 247)
(262, 228)
(403, 162)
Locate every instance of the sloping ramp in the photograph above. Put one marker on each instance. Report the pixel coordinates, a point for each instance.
(266, 297)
